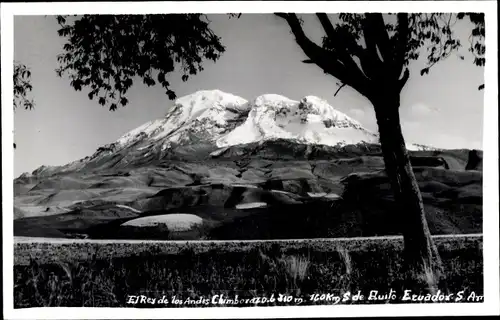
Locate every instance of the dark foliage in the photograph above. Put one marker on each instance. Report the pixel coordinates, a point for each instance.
(104, 53)
(380, 41)
(22, 86)
(476, 39)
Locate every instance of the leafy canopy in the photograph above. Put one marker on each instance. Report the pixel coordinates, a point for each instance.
(104, 53)
(366, 50)
(22, 86)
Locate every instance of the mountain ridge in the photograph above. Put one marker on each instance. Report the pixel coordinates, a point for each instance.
(222, 120)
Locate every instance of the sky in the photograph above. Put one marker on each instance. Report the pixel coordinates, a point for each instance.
(442, 109)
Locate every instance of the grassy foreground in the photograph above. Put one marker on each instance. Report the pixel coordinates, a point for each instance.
(167, 274)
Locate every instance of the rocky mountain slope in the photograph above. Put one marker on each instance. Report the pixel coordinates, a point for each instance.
(212, 119)
(220, 167)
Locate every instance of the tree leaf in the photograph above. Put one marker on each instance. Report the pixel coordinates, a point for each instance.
(123, 101)
(424, 71)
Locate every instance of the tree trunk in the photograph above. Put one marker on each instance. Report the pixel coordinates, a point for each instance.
(420, 254)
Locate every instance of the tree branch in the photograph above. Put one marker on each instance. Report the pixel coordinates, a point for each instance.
(326, 24)
(326, 60)
(402, 43)
(341, 51)
(377, 24)
(404, 79)
(369, 57)
(335, 94)
(383, 61)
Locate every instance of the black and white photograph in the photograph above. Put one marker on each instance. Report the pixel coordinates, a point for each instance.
(215, 158)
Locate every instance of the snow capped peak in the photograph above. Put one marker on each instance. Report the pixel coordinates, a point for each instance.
(311, 120)
(202, 97)
(206, 103)
(212, 118)
(272, 100)
(145, 130)
(321, 107)
(224, 119)
(206, 110)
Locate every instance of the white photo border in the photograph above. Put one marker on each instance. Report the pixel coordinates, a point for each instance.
(490, 161)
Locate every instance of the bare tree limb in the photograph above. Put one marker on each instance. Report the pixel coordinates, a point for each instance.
(326, 24)
(404, 79)
(335, 94)
(315, 53)
(377, 24)
(400, 46)
(341, 50)
(369, 58)
(326, 60)
(382, 61)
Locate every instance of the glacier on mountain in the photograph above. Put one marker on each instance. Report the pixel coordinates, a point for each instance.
(203, 112)
(215, 119)
(225, 120)
(310, 120)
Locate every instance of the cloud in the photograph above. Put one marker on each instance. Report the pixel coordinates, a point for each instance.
(421, 133)
(366, 116)
(422, 110)
(411, 129)
(445, 140)
(357, 113)
(410, 124)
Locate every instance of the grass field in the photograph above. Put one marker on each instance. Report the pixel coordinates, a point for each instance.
(244, 273)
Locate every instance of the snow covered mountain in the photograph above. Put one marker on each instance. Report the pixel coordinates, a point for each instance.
(225, 120)
(240, 168)
(310, 120)
(215, 120)
(203, 115)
